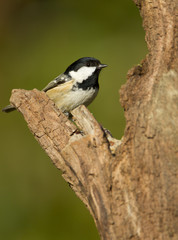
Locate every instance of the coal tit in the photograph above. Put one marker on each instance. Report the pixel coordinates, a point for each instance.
(76, 86)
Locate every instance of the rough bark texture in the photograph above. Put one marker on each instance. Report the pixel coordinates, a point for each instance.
(129, 186)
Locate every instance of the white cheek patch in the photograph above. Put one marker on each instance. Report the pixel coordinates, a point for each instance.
(82, 74)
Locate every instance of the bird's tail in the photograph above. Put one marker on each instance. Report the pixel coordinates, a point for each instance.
(8, 108)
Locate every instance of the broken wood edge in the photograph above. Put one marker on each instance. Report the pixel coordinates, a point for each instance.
(83, 119)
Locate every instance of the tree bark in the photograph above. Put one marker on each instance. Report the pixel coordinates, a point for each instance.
(129, 186)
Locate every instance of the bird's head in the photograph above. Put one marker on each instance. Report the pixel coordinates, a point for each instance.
(85, 68)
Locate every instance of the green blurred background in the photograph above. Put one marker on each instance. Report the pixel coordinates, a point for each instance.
(38, 40)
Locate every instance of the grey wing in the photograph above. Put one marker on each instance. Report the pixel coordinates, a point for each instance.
(58, 80)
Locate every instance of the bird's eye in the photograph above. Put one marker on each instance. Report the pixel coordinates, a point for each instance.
(88, 64)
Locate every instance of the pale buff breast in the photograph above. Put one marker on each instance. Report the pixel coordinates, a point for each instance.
(66, 99)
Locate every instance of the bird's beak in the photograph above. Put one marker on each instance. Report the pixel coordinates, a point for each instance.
(102, 66)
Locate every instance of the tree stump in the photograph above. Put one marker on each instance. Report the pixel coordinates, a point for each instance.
(129, 186)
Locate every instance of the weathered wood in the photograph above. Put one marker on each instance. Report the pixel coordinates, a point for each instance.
(83, 156)
(129, 186)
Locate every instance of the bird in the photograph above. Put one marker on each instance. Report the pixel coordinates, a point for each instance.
(78, 85)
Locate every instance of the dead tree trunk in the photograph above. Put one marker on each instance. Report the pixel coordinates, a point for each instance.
(129, 186)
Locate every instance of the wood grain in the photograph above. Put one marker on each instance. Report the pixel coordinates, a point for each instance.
(129, 186)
